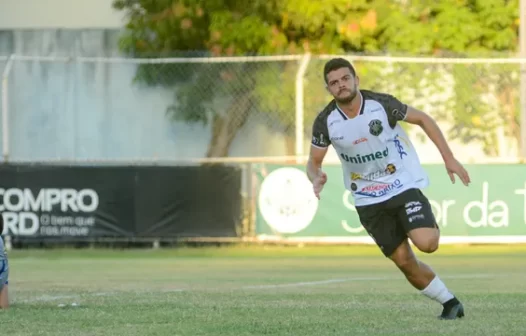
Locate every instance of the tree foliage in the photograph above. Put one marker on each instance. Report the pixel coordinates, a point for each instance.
(225, 95)
(485, 96)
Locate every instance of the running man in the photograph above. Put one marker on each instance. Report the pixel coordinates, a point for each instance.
(4, 270)
(382, 170)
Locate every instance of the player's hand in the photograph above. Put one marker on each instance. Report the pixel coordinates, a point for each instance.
(454, 167)
(318, 183)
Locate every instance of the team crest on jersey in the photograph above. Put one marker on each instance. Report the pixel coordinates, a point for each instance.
(375, 127)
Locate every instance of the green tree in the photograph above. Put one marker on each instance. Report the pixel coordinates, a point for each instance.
(225, 95)
(219, 94)
(485, 95)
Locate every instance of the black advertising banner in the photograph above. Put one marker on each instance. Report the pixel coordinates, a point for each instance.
(66, 202)
(70, 203)
(188, 201)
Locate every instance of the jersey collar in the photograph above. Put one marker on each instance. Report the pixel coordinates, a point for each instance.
(362, 105)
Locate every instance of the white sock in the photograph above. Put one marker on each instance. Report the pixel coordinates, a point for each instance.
(437, 290)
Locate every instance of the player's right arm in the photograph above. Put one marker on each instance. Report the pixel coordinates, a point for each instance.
(319, 147)
(315, 161)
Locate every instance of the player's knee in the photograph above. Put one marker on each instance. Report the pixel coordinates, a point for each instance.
(427, 245)
(425, 239)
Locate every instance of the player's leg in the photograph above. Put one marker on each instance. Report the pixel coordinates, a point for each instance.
(426, 239)
(383, 223)
(4, 271)
(416, 216)
(424, 279)
(4, 274)
(416, 272)
(4, 297)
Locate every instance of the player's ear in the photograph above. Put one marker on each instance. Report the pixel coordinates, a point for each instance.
(357, 80)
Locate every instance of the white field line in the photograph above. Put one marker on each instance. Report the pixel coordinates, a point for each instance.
(331, 281)
(49, 298)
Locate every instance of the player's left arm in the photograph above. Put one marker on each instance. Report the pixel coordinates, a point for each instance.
(431, 128)
(411, 115)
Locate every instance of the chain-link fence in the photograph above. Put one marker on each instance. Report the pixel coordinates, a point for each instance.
(3, 64)
(107, 109)
(178, 109)
(476, 102)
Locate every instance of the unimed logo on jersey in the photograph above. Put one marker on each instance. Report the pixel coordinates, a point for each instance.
(360, 159)
(48, 212)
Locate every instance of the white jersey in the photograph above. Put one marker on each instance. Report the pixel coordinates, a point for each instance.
(378, 159)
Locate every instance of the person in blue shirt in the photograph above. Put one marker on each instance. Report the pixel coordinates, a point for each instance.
(4, 270)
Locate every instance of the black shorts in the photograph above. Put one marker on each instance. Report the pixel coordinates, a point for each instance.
(389, 222)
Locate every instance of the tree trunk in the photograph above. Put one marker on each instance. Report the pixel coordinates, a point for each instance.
(225, 127)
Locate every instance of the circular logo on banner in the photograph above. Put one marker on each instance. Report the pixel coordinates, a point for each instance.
(286, 200)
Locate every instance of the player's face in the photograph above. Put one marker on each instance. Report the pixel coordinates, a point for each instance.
(342, 85)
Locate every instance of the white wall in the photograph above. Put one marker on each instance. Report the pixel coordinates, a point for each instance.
(45, 14)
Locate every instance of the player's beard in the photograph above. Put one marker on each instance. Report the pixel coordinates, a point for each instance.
(349, 98)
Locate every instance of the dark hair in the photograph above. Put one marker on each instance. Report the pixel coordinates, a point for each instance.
(335, 64)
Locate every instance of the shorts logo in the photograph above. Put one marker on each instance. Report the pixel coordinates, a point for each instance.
(412, 207)
(375, 127)
(415, 217)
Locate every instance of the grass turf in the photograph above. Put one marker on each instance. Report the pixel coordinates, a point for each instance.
(259, 291)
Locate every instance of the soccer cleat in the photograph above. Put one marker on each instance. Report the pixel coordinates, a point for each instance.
(453, 309)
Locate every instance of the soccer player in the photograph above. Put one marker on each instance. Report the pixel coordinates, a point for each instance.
(4, 270)
(382, 170)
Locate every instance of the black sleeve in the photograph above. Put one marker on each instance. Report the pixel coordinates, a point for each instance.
(396, 110)
(320, 132)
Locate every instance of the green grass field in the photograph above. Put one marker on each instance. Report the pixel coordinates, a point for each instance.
(259, 291)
